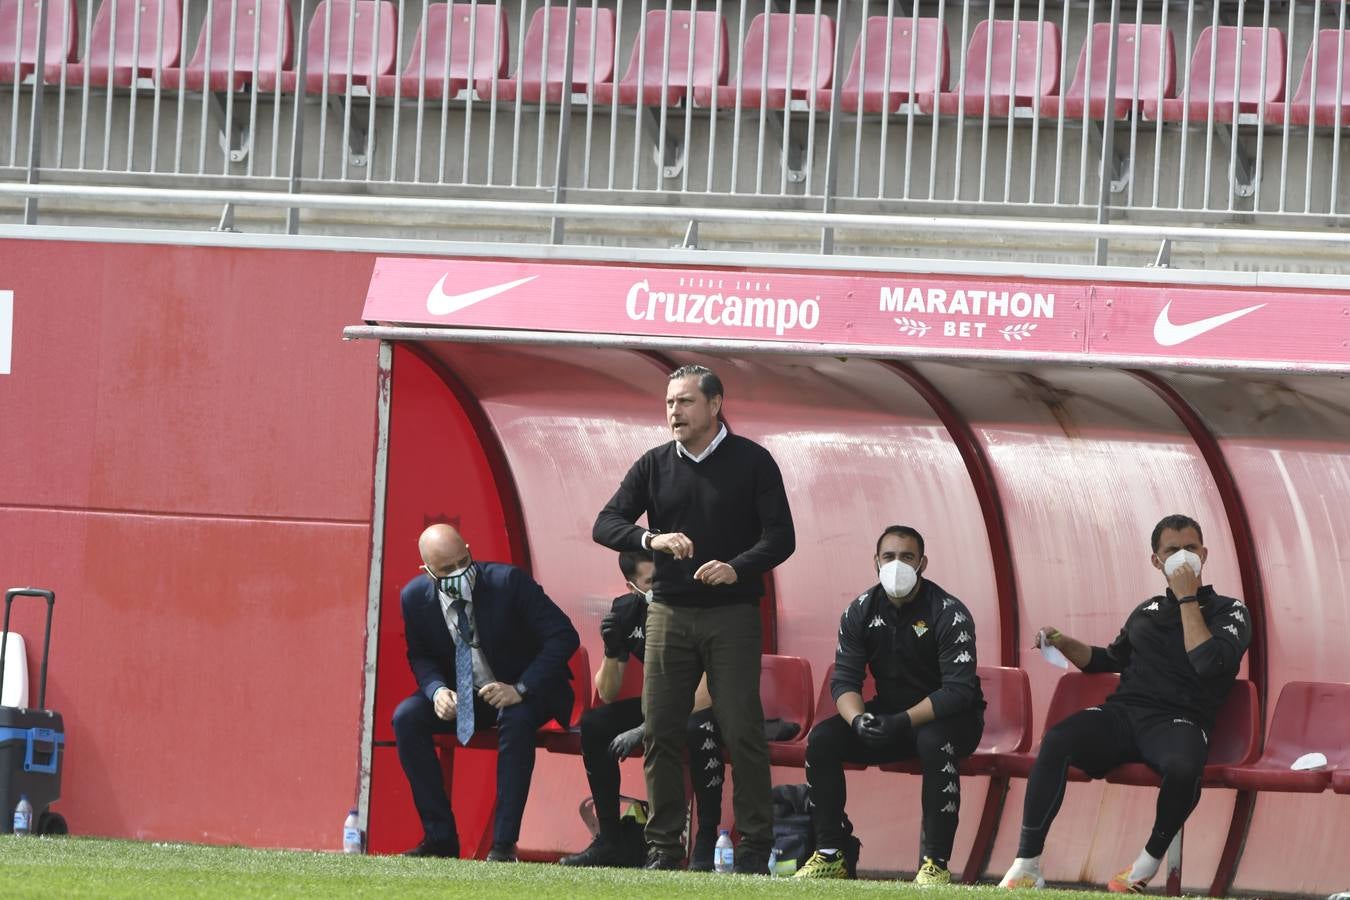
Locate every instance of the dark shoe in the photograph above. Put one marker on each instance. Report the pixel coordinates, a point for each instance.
(751, 862)
(701, 860)
(502, 853)
(600, 853)
(659, 860)
(442, 849)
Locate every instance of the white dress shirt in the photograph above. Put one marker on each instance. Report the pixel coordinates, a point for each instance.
(482, 672)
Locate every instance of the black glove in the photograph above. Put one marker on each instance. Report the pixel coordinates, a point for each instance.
(615, 648)
(881, 729)
(626, 743)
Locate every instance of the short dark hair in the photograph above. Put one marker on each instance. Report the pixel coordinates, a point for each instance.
(902, 531)
(1175, 522)
(708, 383)
(629, 560)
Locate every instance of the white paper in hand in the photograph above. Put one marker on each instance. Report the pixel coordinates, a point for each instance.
(1309, 761)
(1051, 654)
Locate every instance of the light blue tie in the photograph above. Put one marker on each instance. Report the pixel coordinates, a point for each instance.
(463, 674)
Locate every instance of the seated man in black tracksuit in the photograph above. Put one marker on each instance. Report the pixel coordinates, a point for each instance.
(919, 642)
(612, 732)
(1178, 655)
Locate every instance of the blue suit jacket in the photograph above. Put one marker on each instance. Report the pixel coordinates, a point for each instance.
(524, 635)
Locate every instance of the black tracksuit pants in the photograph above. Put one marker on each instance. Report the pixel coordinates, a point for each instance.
(939, 747)
(1100, 738)
(602, 724)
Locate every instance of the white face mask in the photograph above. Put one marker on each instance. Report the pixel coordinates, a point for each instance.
(1179, 559)
(898, 579)
(645, 595)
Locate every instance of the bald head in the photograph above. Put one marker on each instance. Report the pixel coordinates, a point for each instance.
(443, 549)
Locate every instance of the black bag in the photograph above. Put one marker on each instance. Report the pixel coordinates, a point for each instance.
(632, 828)
(794, 832)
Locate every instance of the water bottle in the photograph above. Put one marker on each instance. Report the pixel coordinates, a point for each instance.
(23, 816)
(351, 833)
(773, 861)
(724, 855)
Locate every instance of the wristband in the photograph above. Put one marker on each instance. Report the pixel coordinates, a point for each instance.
(1189, 598)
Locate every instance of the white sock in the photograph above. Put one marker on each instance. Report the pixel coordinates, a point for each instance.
(1145, 867)
(828, 851)
(1027, 863)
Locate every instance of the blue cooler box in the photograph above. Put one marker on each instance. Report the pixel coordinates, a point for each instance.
(32, 742)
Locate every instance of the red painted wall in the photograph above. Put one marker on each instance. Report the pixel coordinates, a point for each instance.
(186, 449)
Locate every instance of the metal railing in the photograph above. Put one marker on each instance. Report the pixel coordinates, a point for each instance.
(1229, 110)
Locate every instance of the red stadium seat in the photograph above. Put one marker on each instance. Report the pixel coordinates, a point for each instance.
(794, 753)
(770, 75)
(19, 38)
(351, 43)
(1326, 56)
(1340, 781)
(1001, 70)
(463, 43)
(1150, 45)
(785, 692)
(917, 46)
(211, 67)
(1236, 741)
(1310, 717)
(130, 40)
(540, 76)
(1007, 723)
(696, 57)
(1250, 88)
(1073, 691)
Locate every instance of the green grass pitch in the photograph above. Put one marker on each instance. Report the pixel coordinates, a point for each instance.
(87, 867)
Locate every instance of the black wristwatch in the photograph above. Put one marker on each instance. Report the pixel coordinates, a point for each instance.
(520, 688)
(1190, 598)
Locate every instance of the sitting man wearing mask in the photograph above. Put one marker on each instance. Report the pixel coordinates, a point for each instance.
(919, 642)
(488, 647)
(1178, 656)
(613, 731)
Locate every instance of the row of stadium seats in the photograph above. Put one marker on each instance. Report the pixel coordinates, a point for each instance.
(1309, 717)
(462, 50)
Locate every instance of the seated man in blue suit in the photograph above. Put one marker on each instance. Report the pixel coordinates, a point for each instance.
(488, 647)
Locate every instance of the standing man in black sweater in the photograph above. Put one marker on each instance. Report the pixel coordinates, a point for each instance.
(919, 642)
(1177, 656)
(718, 519)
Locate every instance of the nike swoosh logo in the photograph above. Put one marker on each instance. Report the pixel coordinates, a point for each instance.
(439, 303)
(1169, 334)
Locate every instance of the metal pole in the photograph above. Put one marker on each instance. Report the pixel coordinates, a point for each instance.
(1108, 133)
(564, 118)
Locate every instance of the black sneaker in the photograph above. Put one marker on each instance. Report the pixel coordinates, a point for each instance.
(441, 849)
(751, 862)
(659, 860)
(600, 853)
(701, 860)
(502, 853)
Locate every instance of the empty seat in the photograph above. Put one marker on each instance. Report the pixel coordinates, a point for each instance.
(770, 75)
(692, 52)
(540, 76)
(350, 44)
(130, 39)
(1310, 717)
(19, 40)
(255, 26)
(1005, 69)
(1150, 47)
(917, 46)
(1007, 723)
(1326, 56)
(785, 692)
(463, 43)
(1222, 53)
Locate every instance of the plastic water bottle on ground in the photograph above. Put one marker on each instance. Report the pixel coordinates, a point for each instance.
(724, 855)
(351, 833)
(23, 816)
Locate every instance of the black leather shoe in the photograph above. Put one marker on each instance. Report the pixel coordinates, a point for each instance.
(600, 853)
(701, 859)
(442, 849)
(661, 861)
(751, 862)
(502, 853)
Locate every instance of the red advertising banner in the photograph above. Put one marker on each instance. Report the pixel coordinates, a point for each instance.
(937, 315)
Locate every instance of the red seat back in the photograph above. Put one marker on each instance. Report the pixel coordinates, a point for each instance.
(126, 34)
(1150, 45)
(697, 54)
(785, 689)
(825, 705)
(1324, 60)
(1078, 690)
(20, 44)
(354, 38)
(1010, 58)
(630, 687)
(1310, 717)
(771, 36)
(1222, 53)
(1237, 728)
(468, 30)
(580, 667)
(268, 20)
(917, 45)
(1007, 719)
(543, 53)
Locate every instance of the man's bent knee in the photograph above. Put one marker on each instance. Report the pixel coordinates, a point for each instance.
(410, 718)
